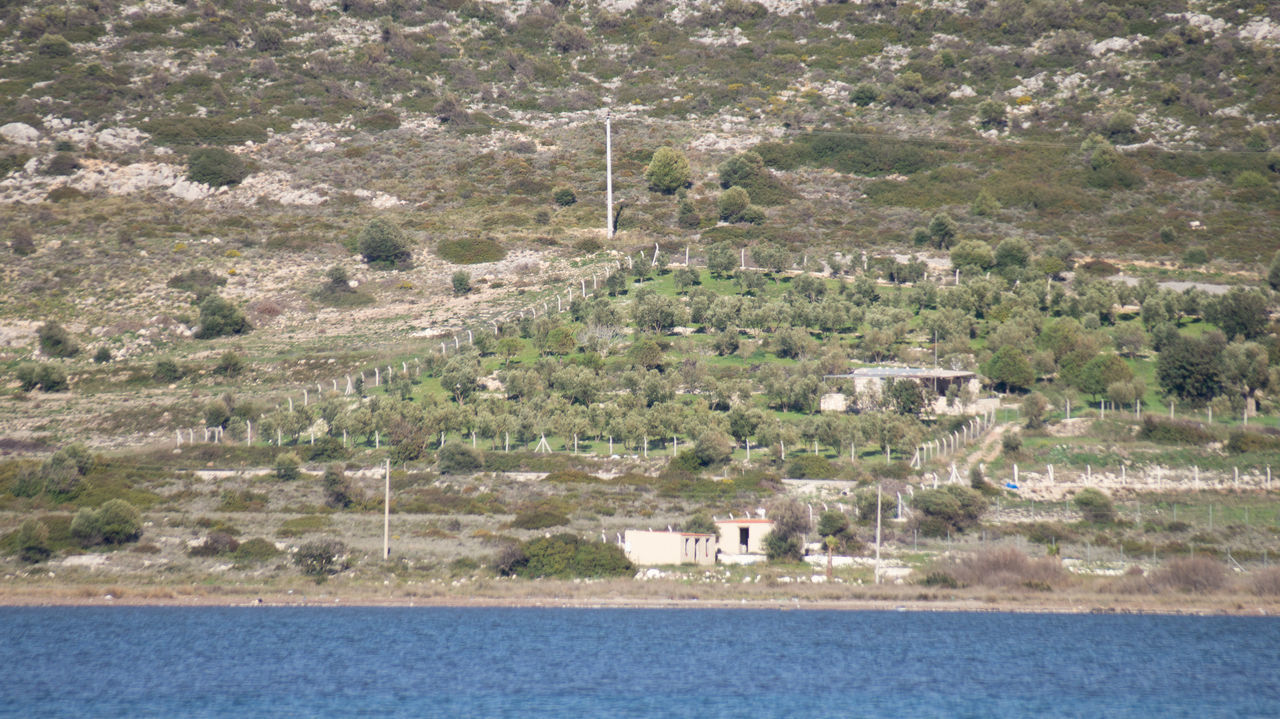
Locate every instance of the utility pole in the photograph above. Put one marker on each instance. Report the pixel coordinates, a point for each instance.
(877, 534)
(608, 171)
(386, 513)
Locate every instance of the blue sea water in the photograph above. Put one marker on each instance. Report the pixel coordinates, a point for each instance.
(452, 662)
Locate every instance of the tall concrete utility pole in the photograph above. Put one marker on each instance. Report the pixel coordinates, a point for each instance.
(608, 171)
(386, 513)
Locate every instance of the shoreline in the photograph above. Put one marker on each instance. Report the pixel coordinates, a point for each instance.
(1100, 604)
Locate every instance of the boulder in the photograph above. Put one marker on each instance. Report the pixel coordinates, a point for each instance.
(20, 133)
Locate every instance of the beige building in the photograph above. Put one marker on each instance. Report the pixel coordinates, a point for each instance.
(743, 536)
(871, 381)
(647, 547)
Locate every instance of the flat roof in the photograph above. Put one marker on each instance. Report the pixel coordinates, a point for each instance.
(744, 520)
(663, 531)
(907, 372)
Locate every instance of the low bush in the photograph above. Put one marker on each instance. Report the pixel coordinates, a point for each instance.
(458, 458)
(288, 466)
(564, 196)
(115, 522)
(242, 501)
(947, 509)
(1191, 574)
(214, 545)
(166, 370)
(810, 466)
(256, 549)
(1174, 431)
(539, 519)
(33, 542)
(321, 557)
(1094, 506)
(42, 376)
(298, 526)
(190, 131)
(56, 341)
(564, 556)
(216, 167)
(470, 251)
(379, 121)
(383, 245)
(219, 318)
(199, 281)
(1241, 441)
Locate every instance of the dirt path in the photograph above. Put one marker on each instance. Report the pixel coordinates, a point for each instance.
(987, 451)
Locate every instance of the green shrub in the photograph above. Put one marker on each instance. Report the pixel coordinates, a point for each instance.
(298, 526)
(383, 245)
(338, 492)
(1241, 441)
(200, 281)
(229, 364)
(216, 167)
(219, 317)
(1095, 506)
(288, 466)
(23, 244)
(864, 94)
(948, 509)
(380, 121)
(564, 196)
(1173, 431)
(43, 376)
(53, 46)
(190, 131)
(256, 549)
(1195, 256)
(566, 555)
(461, 282)
(166, 370)
(65, 194)
(668, 171)
(115, 522)
(55, 341)
(321, 557)
(457, 458)
(811, 466)
(102, 356)
(712, 447)
(33, 541)
(734, 205)
(242, 501)
(470, 251)
(62, 164)
(538, 518)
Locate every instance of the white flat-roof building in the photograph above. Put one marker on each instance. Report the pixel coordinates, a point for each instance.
(646, 547)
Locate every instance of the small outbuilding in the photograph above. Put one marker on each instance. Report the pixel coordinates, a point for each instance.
(648, 547)
(743, 536)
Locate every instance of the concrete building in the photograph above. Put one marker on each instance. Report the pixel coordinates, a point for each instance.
(872, 380)
(647, 547)
(743, 536)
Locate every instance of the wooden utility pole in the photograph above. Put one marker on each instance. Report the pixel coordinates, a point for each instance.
(386, 513)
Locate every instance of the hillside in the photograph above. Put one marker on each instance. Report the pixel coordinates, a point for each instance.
(337, 233)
